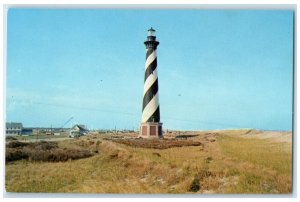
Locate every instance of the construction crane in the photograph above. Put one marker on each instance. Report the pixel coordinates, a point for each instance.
(70, 119)
(58, 129)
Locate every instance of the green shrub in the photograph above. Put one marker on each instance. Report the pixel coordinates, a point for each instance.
(195, 186)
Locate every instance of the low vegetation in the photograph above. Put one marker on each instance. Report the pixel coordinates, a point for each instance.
(223, 162)
(42, 151)
(158, 143)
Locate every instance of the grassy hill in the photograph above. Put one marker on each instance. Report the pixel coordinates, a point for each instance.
(229, 161)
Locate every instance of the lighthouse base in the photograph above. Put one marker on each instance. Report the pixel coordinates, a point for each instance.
(151, 130)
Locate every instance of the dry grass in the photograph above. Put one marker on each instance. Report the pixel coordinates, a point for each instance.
(264, 166)
(224, 164)
(265, 153)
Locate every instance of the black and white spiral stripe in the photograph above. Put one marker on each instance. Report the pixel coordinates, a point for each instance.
(150, 100)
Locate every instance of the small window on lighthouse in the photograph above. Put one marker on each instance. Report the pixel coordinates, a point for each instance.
(151, 32)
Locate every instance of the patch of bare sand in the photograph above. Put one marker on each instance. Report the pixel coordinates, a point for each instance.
(276, 136)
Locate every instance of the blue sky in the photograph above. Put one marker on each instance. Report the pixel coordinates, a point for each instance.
(217, 69)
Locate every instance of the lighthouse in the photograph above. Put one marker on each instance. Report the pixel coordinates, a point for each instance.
(151, 127)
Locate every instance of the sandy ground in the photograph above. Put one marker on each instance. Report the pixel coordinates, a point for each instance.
(45, 139)
(277, 136)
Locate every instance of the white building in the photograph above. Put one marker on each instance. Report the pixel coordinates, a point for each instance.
(78, 130)
(13, 129)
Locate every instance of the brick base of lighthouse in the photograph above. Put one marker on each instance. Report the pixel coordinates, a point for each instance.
(151, 130)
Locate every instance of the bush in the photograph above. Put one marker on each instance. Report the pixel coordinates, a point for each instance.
(78, 154)
(9, 138)
(43, 145)
(14, 154)
(57, 155)
(158, 143)
(16, 144)
(43, 151)
(195, 186)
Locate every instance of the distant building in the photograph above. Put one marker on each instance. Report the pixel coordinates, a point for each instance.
(78, 130)
(13, 129)
(27, 131)
(81, 126)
